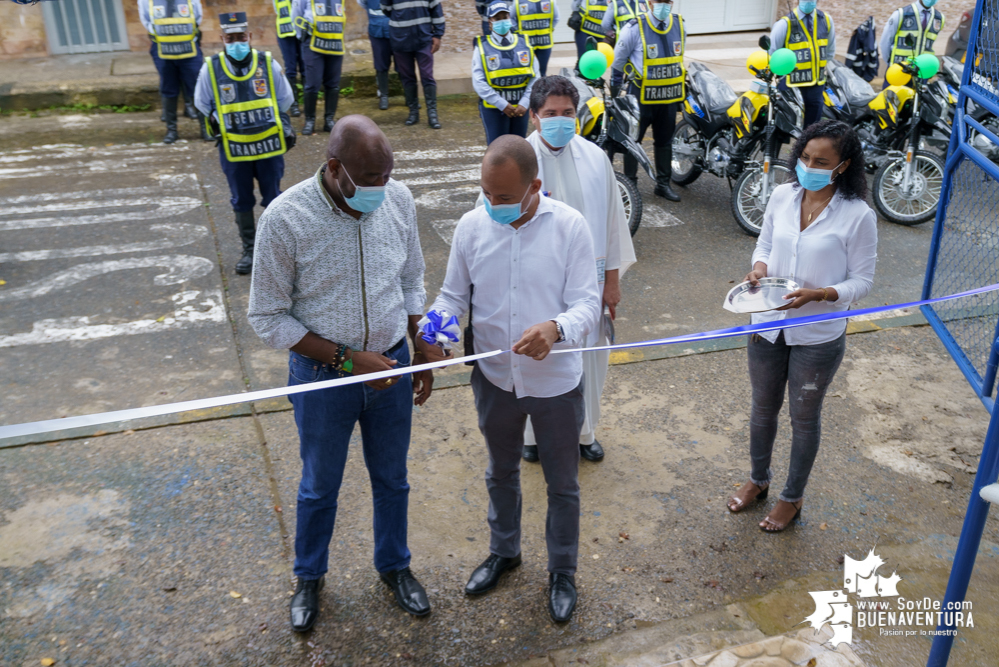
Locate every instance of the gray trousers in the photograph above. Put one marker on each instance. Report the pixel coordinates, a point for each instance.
(806, 371)
(557, 422)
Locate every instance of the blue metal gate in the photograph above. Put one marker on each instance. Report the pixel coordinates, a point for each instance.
(964, 254)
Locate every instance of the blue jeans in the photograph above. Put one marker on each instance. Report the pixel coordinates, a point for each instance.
(325, 420)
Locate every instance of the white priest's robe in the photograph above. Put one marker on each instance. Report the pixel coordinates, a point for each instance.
(581, 176)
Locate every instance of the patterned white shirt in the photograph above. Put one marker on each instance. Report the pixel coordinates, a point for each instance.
(349, 281)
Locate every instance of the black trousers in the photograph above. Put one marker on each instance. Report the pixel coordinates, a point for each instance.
(812, 97)
(662, 119)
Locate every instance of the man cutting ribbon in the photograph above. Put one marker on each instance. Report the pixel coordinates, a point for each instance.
(548, 297)
(323, 248)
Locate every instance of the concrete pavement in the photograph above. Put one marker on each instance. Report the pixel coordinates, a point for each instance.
(171, 545)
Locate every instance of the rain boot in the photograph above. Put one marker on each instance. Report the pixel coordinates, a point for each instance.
(430, 95)
(664, 169)
(293, 110)
(206, 135)
(309, 100)
(190, 111)
(382, 79)
(247, 233)
(332, 99)
(413, 102)
(170, 114)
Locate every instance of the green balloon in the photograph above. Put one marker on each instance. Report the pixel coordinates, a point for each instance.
(928, 65)
(592, 65)
(783, 62)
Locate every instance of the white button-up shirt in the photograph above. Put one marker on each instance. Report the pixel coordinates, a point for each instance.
(522, 277)
(839, 250)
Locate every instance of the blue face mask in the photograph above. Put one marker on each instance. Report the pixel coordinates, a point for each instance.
(366, 197)
(502, 26)
(806, 6)
(929, 3)
(238, 50)
(558, 131)
(661, 10)
(814, 179)
(505, 214)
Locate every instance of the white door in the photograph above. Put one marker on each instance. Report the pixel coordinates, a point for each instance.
(84, 26)
(699, 16)
(563, 34)
(706, 16)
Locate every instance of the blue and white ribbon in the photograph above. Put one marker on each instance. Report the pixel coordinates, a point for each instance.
(440, 328)
(98, 419)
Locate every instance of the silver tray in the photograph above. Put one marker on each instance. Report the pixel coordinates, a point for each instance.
(747, 298)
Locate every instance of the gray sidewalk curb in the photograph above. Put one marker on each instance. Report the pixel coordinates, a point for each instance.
(456, 380)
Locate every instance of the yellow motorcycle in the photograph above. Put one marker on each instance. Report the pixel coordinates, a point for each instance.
(737, 137)
(893, 125)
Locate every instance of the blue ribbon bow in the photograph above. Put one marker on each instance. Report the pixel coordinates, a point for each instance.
(440, 328)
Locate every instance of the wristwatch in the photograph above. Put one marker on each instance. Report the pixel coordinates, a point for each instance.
(561, 334)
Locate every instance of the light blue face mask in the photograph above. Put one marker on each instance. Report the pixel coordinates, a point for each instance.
(366, 197)
(929, 3)
(662, 10)
(502, 27)
(558, 131)
(806, 6)
(814, 179)
(238, 50)
(505, 214)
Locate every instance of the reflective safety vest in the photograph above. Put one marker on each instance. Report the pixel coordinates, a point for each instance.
(328, 18)
(662, 61)
(593, 15)
(285, 27)
(378, 23)
(508, 68)
(912, 24)
(249, 118)
(536, 21)
(624, 12)
(174, 28)
(810, 49)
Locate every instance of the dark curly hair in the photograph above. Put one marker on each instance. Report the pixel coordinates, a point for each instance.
(852, 182)
(552, 84)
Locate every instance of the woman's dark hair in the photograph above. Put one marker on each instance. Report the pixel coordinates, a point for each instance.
(556, 85)
(852, 182)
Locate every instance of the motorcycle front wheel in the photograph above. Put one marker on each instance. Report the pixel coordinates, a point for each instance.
(749, 202)
(632, 201)
(687, 146)
(919, 203)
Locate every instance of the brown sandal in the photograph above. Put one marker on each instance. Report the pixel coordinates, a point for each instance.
(779, 527)
(762, 495)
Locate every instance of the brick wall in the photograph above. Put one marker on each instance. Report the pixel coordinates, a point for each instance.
(22, 31)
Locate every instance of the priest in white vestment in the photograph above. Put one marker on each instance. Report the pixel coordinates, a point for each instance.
(578, 173)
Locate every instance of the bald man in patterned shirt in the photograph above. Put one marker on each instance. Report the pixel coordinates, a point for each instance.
(338, 280)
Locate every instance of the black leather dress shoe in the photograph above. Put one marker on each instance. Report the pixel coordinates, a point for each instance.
(561, 597)
(305, 604)
(531, 453)
(667, 192)
(408, 591)
(487, 575)
(592, 452)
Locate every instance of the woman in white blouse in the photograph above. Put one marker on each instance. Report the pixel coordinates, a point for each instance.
(818, 231)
